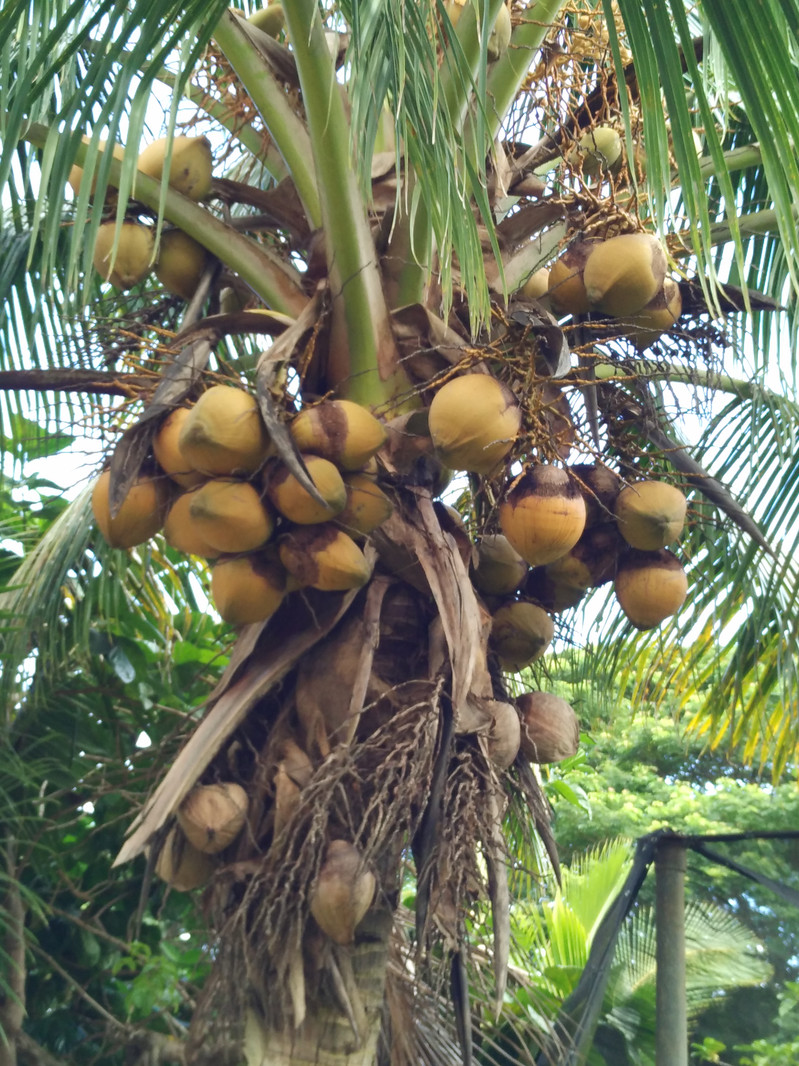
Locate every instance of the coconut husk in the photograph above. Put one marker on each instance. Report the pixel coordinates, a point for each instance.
(550, 730)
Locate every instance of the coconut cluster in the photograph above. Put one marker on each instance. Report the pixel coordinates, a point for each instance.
(219, 491)
(124, 255)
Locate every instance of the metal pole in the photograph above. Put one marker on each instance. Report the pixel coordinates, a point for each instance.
(671, 1022)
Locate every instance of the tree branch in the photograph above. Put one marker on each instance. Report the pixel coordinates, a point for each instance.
(93, 382)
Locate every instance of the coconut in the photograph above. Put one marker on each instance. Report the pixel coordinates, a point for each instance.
(168, 454)
(212, 816)
(182, 532)
(367, 506)
(550, 731)
(324, 557)
(231, 516)
(294, 502)
(499, 569)
(190, 168)
(140, 516)
(504, 734)
(536, 286)
(247, 588)
(343, 892)
(269, 19)
(554, 596)
(565, 283)
(650, 586)
(182, 261)
(339, 430)
(591, 562)
(659, 315)
(600, 486)
(623, 274)
(224, 433)
(520, 633)
(598, 151)
(134, 253)
(75, 178)
(650, 514)
(499, 38)
(473, 422)
(181, 865)
(543, 514)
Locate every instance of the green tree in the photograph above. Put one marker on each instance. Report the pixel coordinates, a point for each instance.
(386, 182)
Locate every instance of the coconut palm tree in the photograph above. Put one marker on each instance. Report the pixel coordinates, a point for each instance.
(387, 177)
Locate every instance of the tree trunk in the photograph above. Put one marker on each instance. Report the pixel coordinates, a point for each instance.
(12, 956)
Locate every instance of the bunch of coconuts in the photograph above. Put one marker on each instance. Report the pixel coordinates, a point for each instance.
(125, 255)
(623, 277)
(220, 492)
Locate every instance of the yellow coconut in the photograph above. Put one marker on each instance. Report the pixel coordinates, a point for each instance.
(181, 865)
(343, 892)
(499, 38)
(269, 19)
(543, 514)
(536, 286)
(657, 317)
(550, 731)
(182, 261)
(623, 274)
(191, 165)
(212, 816)
(133, 258)
(182, 532)
(168, 454)
(565, 282)
(339, 430)
(650, 514)
(247, 588)
(224, 433)
(324, 557)
(230, 515)
(367, 506)
(650, 586)
(592, 561)
(75, 178)
(140, 516)
(294, 502)
(473, 422)
(520, 633)
(499, 569)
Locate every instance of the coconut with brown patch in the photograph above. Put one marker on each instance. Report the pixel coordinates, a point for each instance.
(190, 164)
(520, 633)
(650, 514)
(367, 506)
(212, 816)
(339, 430)
(343, 892)
(650, 586)
(566, 287)
(181, 865)
(592, 561)
(623, 274)
(140, 516)
(543, 514)
(554, 596)
(248, 588)
(550, 730)
(600, 487)
(294, 502)
(473, 421)
(324, 557)
(224, 433)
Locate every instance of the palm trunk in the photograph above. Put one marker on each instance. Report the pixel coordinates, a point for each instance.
(12, 952)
